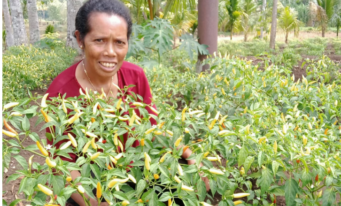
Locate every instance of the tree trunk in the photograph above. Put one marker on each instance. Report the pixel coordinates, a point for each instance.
(19, 31)
(323, 30)
(208, 27)
(245, 36)
(273, 25)
(231, 34)
(72, 9)
(263, 17)
(286, 37)
(8, 24)
(33, 21)
(151, 13)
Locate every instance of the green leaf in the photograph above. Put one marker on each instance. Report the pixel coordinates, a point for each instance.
(328, 197)
(96, 171)
(153, 199)
(29, 190)
(275, 166)
(201, 190)
(34, 136)
(58, 184)
(120, 195)
(164, 170)
(305, 177)
(190, 45)
(141, 185)
(265, 180)
(291, 188)
(25, 124)
(242, 156)
(165, 196)
(260, 158)
(21, 161)
(248, 162)
(129, 142)
(15, 202)
(13, 177)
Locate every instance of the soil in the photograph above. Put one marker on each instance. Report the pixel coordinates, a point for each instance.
(10, 190)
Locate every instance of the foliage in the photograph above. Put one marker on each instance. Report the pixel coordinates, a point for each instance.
(271, 136)
(288, 22)
(233, 11)
(33, 67)
(190, 45)
(325, 70)
(49, 29)
(248, 8)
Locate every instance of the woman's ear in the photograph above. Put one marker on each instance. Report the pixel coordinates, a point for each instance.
(79, 41)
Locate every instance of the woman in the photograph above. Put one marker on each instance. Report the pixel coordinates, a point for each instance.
(103, 28)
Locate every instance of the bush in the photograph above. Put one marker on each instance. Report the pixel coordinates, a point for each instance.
(28, 67)
(49, 29)
(267, 135)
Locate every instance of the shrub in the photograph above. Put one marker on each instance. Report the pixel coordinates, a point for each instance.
(28, 67)
(49, 29)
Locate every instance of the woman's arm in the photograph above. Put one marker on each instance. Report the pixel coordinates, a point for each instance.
(78, 198)
(185, 155)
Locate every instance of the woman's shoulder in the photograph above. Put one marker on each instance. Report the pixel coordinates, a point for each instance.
(65, 82)
(128, 68)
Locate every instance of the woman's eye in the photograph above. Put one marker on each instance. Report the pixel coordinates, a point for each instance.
(120, 42)
(99, 40)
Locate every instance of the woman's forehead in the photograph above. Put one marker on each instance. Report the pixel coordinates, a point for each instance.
(100, 20)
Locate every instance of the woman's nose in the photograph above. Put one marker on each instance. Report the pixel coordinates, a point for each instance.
(110, 50)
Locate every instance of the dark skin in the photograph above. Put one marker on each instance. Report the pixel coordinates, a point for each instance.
(105, 48)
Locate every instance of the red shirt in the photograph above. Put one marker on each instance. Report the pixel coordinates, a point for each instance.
(129, 74)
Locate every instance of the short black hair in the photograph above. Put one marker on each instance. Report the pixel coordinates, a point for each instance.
(102, 6)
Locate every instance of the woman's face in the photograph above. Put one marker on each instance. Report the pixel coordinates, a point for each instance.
(106, 45)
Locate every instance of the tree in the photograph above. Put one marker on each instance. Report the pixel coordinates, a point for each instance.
(325, 12)
(33, 21)
(263, 18)
(288, 22)
(336, 18)
(8, 24)
(248, 7)
(18, 25)
(273, 25)
(72, 9)
(234, 13)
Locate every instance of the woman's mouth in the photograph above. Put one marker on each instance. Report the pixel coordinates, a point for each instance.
(108, 64)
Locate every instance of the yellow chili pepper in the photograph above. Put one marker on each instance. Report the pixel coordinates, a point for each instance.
(93, 144)
(305, 140)
(132, 178)
(275, 147)
(46, 117)
(178, 141)
(118, 106)
(69, 179)
(262, 139)
(41, 149)
(74, 118)
(43, 100)
(45, 190)
(150, 130)
(94, 156)
(10, 105)
(161, 125)
(240, 195)
(169, 202)
(116, 139)
(7, 133)
(186, 188)
(158, 133)
(183, 117)
(9, 127)
(125, 203)
(177, 179)
(156, 176)
(72, 139)
(238, 202)
(212, 124)
(80, 189)
(142, 142)
(64, 107)
(99, 190)
(50, 163)
(86, 147)
(216, 171)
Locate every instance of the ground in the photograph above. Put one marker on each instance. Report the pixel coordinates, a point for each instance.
(10, 189)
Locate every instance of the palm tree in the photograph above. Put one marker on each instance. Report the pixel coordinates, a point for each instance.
(248, 7)
(336, 18)
(288, 22)
(234, 13)
(273, 25)
(18, 25)
(33, 21)
(325, 12)
(263, 18)
(8, 24)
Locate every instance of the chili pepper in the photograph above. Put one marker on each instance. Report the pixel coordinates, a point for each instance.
(46, 117)
(206, 154)
(113, 160)
(178, 141)
(50, 163)
(210, 127)
(240, 195)
(116, 139)
(114, 181)
(72, 139)
(183, 117)
(156, 176)
(169, 202)
(9, 127)
(132, 178)
(43, 101)
(93, 144)
(94, 156)
(69, 179)
(297, 161)
(237, 202)
(184, 149)
(55, 197)
(17, 114)
(177, 179)
(118, 105)
(125, 203)
(317, 177)
(212, 159)
(154, 110)
(30, 163)
(262, 139)
(93, 119)
(163, 157)
(221, 122)
(328, 170)
(158, 133)
(10, 105)
(326, 131)
(150, 130)
(140, 201)
(10, 134)
(142, 142)
(275, 147)
(161, 125)
(180, 170)
(104, 141)
(319, 194)
(305, 140)
(74, 118)
(41, 149)
(186, 188)
(99, 190)
(66, 145)
(242, 171)
(132, 119)
(169, 132)
(80, 189)
(147, 164)
(85, 148)
(216, 171)
(186, 130)
(64, 107)
(94, 109)
(45, 190)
